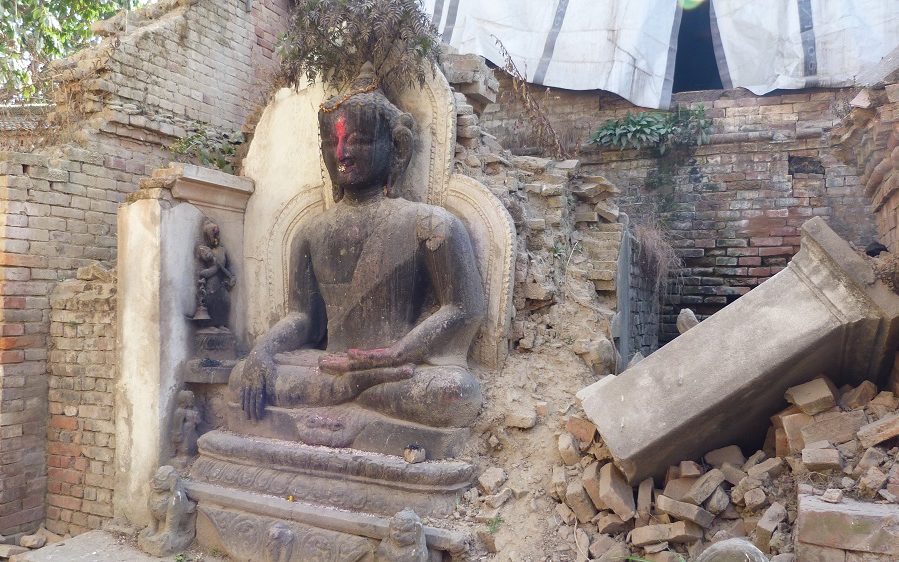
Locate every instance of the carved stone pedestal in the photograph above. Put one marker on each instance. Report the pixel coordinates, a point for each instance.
(266, 499)
(347, 425)
(214, 357)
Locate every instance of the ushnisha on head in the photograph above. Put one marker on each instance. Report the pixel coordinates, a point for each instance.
(366, 140)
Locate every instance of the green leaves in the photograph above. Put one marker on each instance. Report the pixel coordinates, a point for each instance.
(35, 32)
(209, 147)
(332, 39)
(654, 129)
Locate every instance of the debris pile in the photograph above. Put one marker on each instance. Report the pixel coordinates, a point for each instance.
(833, 443)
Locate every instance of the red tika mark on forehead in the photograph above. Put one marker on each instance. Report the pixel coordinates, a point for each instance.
(340, 133)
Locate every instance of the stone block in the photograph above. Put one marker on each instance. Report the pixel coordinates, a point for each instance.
(583, 430)
(871, 482)
(773, 467)
(817, 460)
(568, 449)
(754, 499)
(731, 454)
(610, 523)
(600, 545)
(792, 427)
(812, 397)
(579, 501)
(717, 502)
(680, 532)
(684, 511)
(849, 525)
(689, 469)
(491, 479)
(879, 431)
(859, 396)
(704, 486)
(837, 428)
(677, 488)
(522, 417)
(644, 501)
(826, 308)
(732, 474)
(615, 492)
(766, 526)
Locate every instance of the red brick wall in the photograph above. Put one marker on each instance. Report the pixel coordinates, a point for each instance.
(209, 61)
(732, 208)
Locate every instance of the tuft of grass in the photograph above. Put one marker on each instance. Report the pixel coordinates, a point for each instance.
(493, 524)
(656, 254)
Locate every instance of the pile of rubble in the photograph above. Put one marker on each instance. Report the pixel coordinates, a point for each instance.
(831, 443)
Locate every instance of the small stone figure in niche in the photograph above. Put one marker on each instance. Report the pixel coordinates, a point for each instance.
(384, 294)
(405, 541)
(279, 543)
(173, 523)
(184, 429)
(215, 279)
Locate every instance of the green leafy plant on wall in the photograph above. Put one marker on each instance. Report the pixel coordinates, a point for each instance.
(332, 39)
(651, 129)
(207, 147)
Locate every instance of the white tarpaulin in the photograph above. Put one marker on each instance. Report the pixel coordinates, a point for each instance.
(621, 46)
(628, 46)
(769, 44)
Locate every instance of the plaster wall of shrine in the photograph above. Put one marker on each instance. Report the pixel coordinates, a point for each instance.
(119, 106)
(733, 207)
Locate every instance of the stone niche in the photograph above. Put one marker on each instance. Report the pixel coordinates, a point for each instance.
(291, 184)
(257, 494)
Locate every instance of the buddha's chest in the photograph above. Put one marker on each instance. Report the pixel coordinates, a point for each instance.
(350, 253)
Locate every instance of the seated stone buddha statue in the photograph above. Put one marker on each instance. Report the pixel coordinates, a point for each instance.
(384, 295)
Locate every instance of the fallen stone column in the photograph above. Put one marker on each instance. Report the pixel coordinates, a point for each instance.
(718, 383)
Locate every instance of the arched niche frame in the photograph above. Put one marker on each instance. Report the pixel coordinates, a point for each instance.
(291, 185)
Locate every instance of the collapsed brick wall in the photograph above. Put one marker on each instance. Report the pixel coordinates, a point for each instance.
(119, 107)
(733, 207)
(868, 139)
(81, 429)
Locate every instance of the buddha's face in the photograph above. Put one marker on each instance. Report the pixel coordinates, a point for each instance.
(357, 147)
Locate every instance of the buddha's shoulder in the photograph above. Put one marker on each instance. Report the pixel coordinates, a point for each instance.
(414, 210)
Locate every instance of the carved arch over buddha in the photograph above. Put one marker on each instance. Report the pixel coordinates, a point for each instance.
(292, 185)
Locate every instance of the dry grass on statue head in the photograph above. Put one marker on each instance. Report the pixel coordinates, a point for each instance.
(332, 39)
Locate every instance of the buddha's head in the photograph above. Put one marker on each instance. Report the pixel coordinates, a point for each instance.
(366, 140)
(211, 233)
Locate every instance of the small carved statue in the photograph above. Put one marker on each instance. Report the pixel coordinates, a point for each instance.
(405, 541)
(279, 543)
(385, 294)
(174, 516)
(184, 429)
(215, 279)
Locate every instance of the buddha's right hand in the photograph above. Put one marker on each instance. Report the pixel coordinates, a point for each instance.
(260, 366)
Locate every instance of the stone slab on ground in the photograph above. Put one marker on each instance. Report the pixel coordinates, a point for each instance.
(825, 312)
(95, 546)
(850, 525)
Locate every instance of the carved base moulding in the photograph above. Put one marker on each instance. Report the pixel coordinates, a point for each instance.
(343, 479)
(255, 527)
(351, 426)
